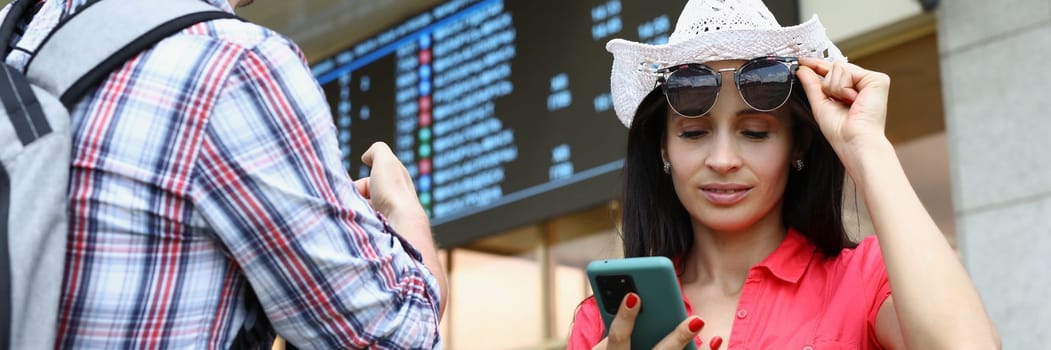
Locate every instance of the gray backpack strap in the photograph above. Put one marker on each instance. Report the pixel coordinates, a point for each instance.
(101, 46)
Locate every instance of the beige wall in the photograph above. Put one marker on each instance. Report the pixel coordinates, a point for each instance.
(995, 85)
(848, 18)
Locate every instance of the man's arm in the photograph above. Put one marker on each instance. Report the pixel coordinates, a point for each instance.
(328, 269)
(393, 194)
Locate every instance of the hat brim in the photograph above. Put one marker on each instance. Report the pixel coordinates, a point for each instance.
(634, 63)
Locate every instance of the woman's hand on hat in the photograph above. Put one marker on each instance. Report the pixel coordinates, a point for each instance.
(849, 102)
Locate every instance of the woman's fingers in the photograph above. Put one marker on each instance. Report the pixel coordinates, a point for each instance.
(817, 65)
(682, 335)
(838, 80)
(812, 85)
(619, 336)
(840, 83)
(716, 342)
(848, 101)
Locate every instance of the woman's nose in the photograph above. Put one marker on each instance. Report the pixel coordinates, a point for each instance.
(725, 156)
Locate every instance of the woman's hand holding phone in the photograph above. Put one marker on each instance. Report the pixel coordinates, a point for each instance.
(619, 336)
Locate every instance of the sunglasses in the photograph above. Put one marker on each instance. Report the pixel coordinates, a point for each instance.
(765, 83)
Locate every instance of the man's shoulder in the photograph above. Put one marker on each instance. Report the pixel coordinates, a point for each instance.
(237, 34)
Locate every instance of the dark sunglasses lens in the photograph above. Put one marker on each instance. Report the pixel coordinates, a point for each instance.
(765, 85)
(691, 91)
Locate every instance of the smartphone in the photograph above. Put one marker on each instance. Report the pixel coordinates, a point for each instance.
(653, 279)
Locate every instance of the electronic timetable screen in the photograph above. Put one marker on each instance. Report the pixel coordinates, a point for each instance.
(500, 109)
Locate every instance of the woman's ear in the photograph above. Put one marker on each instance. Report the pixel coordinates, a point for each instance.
(802, 143)
(664, 147)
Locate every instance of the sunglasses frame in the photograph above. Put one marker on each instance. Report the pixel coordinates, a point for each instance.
(792, 63)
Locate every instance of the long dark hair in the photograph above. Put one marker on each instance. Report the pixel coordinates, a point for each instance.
(655, 223)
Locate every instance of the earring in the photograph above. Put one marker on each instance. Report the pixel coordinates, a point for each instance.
(667, 167)
(798, 164)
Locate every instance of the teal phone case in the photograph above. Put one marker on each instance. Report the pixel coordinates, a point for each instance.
(656, 284)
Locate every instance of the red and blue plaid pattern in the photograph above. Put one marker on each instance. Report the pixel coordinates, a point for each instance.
(209, 165)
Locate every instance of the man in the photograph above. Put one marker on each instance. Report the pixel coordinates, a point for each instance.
(206, 170)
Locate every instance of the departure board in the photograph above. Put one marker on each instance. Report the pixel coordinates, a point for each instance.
(500, 109)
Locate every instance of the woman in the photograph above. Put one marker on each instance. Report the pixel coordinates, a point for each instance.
(735, 171)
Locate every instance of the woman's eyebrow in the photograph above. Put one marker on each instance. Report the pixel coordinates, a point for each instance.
(749, 111)
(752, 112)
(691, 121)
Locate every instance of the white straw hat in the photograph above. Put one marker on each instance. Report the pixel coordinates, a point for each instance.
(711, 30)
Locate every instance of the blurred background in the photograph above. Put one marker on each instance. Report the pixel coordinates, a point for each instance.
(500, 109)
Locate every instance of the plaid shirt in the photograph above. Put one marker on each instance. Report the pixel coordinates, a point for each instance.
(207, 165)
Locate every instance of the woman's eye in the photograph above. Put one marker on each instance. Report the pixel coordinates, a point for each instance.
(691, 134)
(755, 134)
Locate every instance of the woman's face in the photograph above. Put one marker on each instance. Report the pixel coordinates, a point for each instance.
(730, 167)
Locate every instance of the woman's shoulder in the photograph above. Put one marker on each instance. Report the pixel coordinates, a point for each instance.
(865, 253)
(587, 328)
(862, 264)
(852, 265)
(587, 315)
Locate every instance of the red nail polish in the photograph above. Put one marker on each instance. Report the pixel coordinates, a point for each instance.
(716, 341)
(632, 300)
(696, 325)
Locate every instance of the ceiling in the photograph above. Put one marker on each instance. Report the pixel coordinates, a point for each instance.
(323, 27)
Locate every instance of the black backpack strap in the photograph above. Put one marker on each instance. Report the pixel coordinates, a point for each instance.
(23, 109)
(103, 70)
(101, 47)
(256, 332)
(19, 9)
(5, 261)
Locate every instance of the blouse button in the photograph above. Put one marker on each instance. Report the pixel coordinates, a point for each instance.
(743, 314)
(808, 347)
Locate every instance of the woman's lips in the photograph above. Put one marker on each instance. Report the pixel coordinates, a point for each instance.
(725, 194)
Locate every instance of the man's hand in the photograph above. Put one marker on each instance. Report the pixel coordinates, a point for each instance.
(388, 187)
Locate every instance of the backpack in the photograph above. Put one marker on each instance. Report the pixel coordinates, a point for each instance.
(35, 145)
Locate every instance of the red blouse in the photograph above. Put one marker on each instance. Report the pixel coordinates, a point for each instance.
(793, 299)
